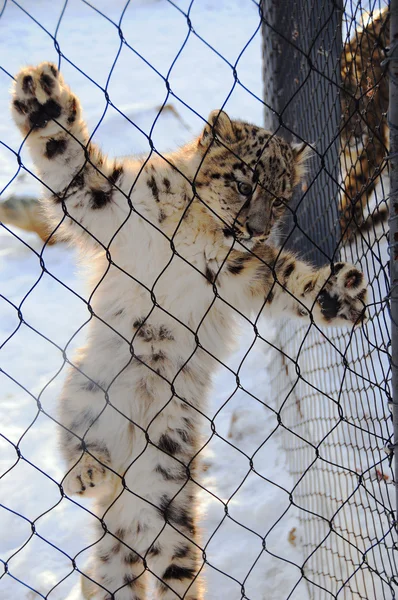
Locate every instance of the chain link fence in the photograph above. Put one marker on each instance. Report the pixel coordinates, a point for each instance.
(330, 527)
(324, 75)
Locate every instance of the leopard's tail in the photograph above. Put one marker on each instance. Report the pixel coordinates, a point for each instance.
(375, 218)
(25, 213)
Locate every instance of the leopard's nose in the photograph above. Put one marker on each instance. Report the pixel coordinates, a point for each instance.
(254, 230)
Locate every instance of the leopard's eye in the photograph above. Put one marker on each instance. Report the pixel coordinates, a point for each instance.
(244, 188)
(278, 203)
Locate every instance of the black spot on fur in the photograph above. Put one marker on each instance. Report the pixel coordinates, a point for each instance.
(309, 287)
(151, 183)
(169, 445)
(27, 83)
(115, 175)
(235, 268)
(174, 475)
(157, 356)
(167, 185)
(184, 435)
(20, 106)
(181, 551)
(330, 305)
(228, 232)
(362, 295)
(100, 198)
(167, 475)
(289, 270)
(52, 109)
(177, 572)
(361, 178)
(40, 117)
(120, 533)
(165, 334)
(118, 312)
(145, 332)
(54, 71)
(215, 175)
(129, 580)
(270, 297)
(55, 147)
(175, 514)
(163, 588)
(78, 180)
(73, 111)
(209, 275)
(155, 550)
(82, 421)
(104, 558)
(337, 267)
(229, 177)
(82, 486)
(138, 323)
(96, 448)
(90, 386)
(162, 216)
(47, 83)
(131, 558)
(188, 423)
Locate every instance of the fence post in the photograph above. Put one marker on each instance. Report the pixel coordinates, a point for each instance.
(302, 45)
(393, 124)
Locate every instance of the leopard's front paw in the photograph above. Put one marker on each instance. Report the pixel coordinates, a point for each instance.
(87, 477)
(41, 95)
(342, 299)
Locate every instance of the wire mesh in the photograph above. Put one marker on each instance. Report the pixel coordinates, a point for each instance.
(333, 392)
(325, 85)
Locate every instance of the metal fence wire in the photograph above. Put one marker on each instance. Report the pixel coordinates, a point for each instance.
(324, 73)
(325, 83)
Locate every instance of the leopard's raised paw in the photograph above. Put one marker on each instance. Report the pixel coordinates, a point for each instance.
(40, 96)
(343, 296)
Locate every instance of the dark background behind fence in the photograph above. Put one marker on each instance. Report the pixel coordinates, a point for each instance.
(302, 47)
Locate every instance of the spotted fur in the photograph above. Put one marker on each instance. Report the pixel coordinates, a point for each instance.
(166, 295)
(364, 134)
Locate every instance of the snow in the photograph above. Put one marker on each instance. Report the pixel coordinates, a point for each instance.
(42, 312)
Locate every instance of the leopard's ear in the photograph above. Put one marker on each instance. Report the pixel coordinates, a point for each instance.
(219, 127)
(301, 153)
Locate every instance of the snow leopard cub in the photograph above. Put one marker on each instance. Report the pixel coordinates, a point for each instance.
(181, 245)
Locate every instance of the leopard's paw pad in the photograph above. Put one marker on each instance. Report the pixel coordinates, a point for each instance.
(343, 296)
(40, 95)
(86, 477)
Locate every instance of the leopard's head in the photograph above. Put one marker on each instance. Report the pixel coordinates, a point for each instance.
(247, 176)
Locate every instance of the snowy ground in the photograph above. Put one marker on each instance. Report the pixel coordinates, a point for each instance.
(41, 311)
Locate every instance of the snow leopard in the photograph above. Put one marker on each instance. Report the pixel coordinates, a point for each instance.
(364, 128)
(179, 246)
